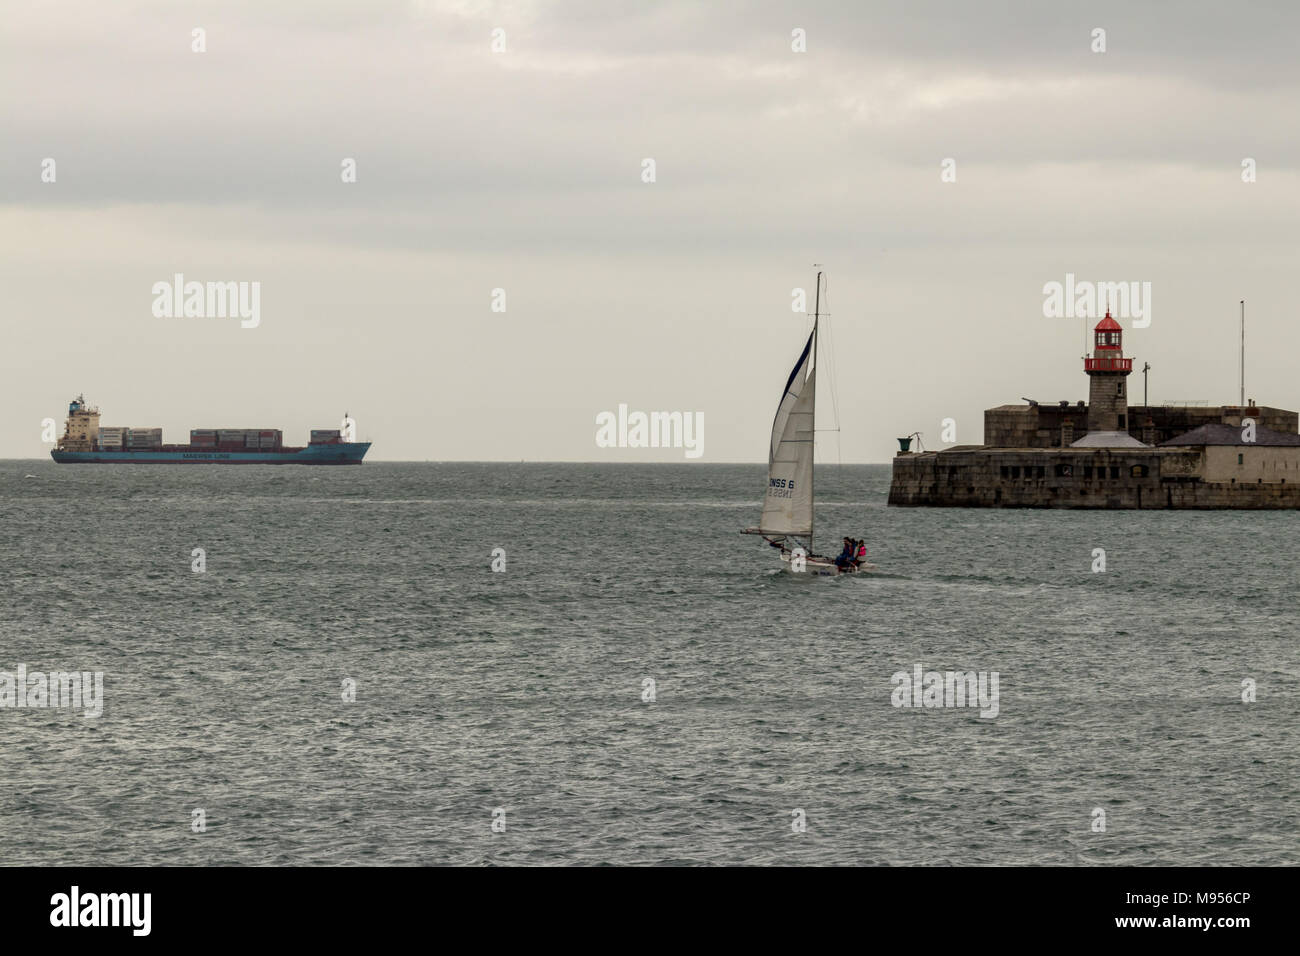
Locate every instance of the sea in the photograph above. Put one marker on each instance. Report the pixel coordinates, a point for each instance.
(585, 664)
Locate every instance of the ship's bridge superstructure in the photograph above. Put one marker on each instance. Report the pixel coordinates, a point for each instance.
(81, 428)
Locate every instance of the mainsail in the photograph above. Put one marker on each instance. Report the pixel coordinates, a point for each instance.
(788, 505)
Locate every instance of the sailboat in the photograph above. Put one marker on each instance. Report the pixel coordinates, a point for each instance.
(787, 517)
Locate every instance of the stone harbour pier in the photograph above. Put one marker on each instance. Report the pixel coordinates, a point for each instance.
(1109, 454)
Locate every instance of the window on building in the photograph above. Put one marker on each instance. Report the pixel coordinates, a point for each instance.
(1138, 471)
(1114, 471)
(1241, 459)
(1062, 471)
(1005, 471)
(1015, 471)
(1087, 471)
(1038, 472)
(1123, 421)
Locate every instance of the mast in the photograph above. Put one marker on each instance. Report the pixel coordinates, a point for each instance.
(812, 460)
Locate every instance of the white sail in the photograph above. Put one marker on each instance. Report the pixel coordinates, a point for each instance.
(788, 504)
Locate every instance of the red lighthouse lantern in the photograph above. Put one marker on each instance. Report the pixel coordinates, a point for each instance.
(1109, 334)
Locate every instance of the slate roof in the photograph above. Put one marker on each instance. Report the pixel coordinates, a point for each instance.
(1108, 440)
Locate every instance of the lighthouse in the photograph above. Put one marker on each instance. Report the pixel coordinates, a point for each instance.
(1108, 371)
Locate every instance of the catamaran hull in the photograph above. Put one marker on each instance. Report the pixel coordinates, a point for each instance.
(823, 566)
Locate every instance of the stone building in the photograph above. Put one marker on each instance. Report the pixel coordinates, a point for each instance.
(1109, 454)
(1038, 425)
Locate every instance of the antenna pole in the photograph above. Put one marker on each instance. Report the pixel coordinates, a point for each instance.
(1243, 353)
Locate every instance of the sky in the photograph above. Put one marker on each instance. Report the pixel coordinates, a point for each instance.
(521, 169)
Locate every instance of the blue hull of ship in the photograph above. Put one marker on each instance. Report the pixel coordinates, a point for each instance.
(345, 453)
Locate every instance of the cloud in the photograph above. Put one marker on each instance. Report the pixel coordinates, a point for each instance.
(522, 169)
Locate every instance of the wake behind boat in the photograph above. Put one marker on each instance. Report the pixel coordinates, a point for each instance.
(786, 522)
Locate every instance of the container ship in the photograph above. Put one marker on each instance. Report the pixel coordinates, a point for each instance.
(84, 441)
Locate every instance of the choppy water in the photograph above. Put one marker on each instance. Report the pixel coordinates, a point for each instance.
(523, 690)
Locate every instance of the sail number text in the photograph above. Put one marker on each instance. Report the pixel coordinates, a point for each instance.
(780, 488)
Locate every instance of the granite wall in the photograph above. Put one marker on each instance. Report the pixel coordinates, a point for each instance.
(1075, 478)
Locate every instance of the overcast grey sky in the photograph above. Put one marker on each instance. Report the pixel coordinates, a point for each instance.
(521, 170)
